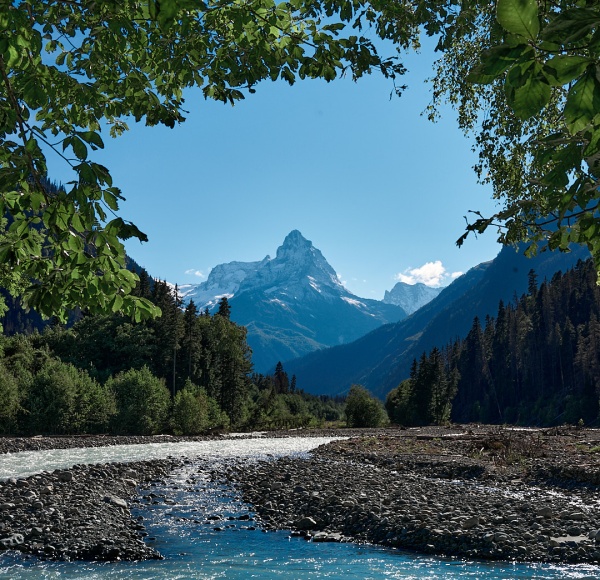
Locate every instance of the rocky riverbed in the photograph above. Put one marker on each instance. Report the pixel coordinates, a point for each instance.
(473, 492)
(486, 493)
(80, 513)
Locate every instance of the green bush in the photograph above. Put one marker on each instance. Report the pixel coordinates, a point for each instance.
(398, 404)
(9, 396)
(194, 412)
(363, 410)
(143, 403)
(63, 400)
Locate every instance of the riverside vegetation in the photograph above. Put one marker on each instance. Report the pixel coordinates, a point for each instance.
(536, 363)
(185, 373)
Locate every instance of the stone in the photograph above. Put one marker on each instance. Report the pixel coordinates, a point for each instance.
(562, 540)
(64, 476)
(470, 522)
(114, 500)
(545, 512)
(306, 523)
(12, 541)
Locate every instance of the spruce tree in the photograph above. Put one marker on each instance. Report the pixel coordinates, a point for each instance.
(224, 308)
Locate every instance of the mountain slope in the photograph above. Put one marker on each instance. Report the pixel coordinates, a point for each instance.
(292, 304)
(381, 359)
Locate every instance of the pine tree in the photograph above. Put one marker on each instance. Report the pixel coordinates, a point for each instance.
(281, 380)
(191, 346)
(224, 308)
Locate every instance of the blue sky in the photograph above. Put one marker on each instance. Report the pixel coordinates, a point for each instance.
(378, 188)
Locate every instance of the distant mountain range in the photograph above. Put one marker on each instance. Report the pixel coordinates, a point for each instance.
(292, 304)
(382, 358)
(410, 297)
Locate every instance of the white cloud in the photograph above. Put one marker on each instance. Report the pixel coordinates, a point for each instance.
(431, 274)
(194, 272)
(341, 280)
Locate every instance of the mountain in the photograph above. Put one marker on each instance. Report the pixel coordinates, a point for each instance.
(410, 297)
(292, 304)
(223, 280)
(382, 358)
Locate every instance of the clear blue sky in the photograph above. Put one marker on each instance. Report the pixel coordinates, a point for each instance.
(378, 188)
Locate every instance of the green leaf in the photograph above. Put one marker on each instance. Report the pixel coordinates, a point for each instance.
(14, 57)
(79, 148)
(572, 25)
(531, 98)
(86, 173)
(92, 138)
(496, 61)
(564, 69)
(31, 145)
(117, 303)
(583, 102)
(519, 17)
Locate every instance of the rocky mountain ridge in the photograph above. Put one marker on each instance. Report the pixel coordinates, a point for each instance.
(410, 297)
(291, 304)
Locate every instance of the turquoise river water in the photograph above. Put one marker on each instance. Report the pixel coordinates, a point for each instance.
(197, 547)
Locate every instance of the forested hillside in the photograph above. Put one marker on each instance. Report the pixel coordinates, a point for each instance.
(537, 362)
(382, 358)
(185, 372)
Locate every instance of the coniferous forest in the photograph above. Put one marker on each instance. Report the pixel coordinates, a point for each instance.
(536, 363)
(186, 372)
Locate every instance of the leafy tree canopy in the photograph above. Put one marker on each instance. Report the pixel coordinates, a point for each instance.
(73, 71)
(523, 76)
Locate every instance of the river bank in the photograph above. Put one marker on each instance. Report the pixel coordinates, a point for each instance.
(80, 513)
(476, 492)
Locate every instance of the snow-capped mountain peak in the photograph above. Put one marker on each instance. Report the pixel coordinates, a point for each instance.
(297, 262)
(291, 304)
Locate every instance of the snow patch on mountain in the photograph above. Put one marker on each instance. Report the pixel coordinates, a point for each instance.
(223, 280)
(313, 284)
(354, 302)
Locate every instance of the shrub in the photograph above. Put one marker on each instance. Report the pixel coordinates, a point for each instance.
(63, 399)
(362, 409)
(194, 412)
(9, 395)
(143, 402)
(398, 404)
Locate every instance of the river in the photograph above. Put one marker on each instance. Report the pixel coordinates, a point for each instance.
(226, 546)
